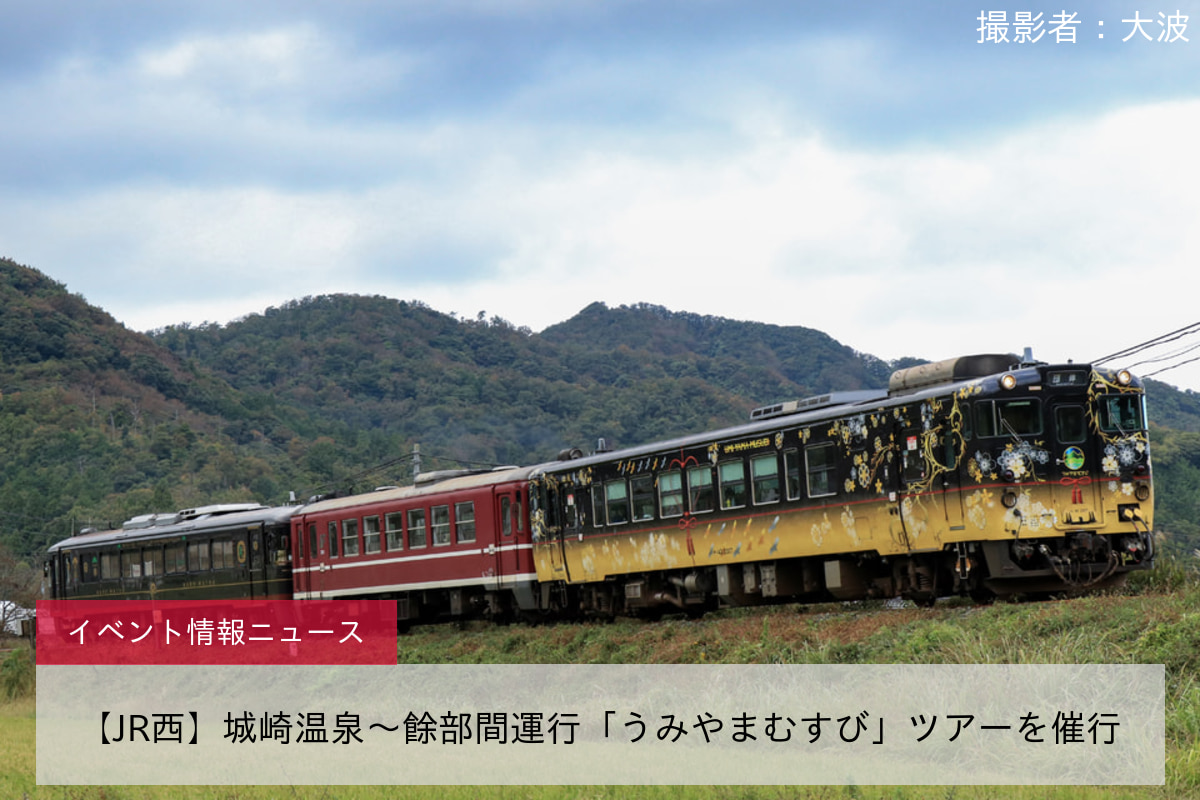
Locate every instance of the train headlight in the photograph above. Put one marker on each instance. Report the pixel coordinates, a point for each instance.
(1008, 381)
(1124, 377)
(1142, 492)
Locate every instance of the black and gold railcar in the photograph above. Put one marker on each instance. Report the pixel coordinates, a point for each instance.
(212, 552)
(980, 475)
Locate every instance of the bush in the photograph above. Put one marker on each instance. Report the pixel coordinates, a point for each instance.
(1170, 574)
(17, 674)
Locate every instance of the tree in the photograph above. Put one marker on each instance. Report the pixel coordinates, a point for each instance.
(19, 589)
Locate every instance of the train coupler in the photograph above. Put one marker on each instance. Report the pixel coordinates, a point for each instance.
(962, 565)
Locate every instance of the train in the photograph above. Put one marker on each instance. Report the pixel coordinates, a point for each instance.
(985, 476)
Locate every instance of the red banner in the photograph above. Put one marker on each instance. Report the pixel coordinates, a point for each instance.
(216, 632)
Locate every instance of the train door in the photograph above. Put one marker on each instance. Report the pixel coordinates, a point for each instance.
(257, 574)
(1075, 493)
(53, 570)
(510, 533)
(328, 541)
(548, 528)
(314, 540)
(305, 551)
(951, 479)
(910, 473)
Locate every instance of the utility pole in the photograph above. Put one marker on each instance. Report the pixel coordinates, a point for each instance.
(416, 461)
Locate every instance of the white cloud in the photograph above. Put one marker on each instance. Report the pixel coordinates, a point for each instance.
(276, 56)
(1069, 236)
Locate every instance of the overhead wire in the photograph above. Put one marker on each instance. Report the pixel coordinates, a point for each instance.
(1171, 336)
(1157, 342)
(1173, 366)
(1167, 357)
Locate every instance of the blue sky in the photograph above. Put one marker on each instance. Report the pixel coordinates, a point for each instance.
(867, 169)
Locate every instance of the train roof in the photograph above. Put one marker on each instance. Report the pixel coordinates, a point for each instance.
(937, 379)
(427, 484)
(206, 519)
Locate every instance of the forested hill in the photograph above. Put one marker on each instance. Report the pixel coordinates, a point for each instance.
(802, 359)
(629, 374)
(99, 423)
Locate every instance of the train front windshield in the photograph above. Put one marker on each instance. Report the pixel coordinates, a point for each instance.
(1122, 413)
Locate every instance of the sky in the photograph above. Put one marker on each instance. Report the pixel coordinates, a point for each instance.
(911, 178)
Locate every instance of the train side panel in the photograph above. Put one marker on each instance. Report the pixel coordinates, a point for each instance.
(207, 555)
(462, 548)
(1038, 480)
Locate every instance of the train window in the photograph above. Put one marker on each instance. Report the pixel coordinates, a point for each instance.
(131, 563)
(764, 472)
(1019, 417)
(506, 526)
(1121, 413)
(912, 460)
(642, 488)
(394, 523)
(198, 557)
(176, 558)
(350, 537)
(733, 484)
(670, 493)
(967, 425)
(701, 497)
(616, 502)
(464, 522)
(949, 451)
(110, 566)
(821, 461)
(985, 418)
(791, 468)
(439, 520)
(313, 550)
(371, 534)
(416, 527)
(226, 550)
(571, 513)
(335, 536)
(517, 516)
(1070, 423)
(552, 501)
(597, 506)
(217, 560)
(153, 565)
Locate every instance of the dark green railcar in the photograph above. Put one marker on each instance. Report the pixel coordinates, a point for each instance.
(211, 552)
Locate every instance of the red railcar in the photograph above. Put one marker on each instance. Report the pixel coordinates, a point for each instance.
(455, 543)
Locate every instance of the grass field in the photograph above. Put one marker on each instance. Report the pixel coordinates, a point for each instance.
(1158, 624)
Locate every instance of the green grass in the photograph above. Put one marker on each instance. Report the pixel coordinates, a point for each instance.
(1157, 623)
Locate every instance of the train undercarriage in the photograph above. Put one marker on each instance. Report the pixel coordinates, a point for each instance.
(1060, 565)
(1078, 562)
